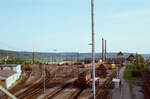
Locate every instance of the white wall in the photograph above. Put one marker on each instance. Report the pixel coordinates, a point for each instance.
(14, 68)
(12, 79)
(9, 81)
(17, 68)
(6, 68)
(1, 77)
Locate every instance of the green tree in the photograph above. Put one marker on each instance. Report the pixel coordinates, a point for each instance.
(134, 69)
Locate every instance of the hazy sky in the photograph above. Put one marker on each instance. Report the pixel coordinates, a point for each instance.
(65, 25)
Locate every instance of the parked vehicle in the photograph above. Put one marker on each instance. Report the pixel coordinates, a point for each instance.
(112, 66)
(28, 67)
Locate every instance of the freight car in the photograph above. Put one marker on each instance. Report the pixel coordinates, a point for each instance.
(101, 71)
(69, 63)
(78, 63)
(28, 67)
(89, 65)
(86, 65)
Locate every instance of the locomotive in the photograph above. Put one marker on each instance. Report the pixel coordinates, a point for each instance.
(83, 79)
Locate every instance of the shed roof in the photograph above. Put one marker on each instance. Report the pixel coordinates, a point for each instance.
(120, 53)
(116, 80)
(6, 73)
(96, 78)
(9, 65)
(131, 55)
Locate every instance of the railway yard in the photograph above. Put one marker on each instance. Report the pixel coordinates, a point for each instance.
(60, 82)
(70, 49)
(73, 80)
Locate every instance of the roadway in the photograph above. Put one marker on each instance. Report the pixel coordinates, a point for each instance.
(124, 91)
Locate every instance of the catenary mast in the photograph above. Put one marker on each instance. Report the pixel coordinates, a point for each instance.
(93, 48)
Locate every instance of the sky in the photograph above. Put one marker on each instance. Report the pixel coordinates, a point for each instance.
(65, 25)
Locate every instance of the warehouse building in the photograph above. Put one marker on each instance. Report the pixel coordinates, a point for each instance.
(13, 67)
(7, 78)
(120, 55)
(9, 74)
(131, 58)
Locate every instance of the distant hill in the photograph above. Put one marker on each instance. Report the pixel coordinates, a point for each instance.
(39, 55)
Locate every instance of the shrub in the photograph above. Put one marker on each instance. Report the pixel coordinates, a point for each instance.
(127, 74)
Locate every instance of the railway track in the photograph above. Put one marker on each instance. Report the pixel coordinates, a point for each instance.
(37, 88)
(104, 95)
(102, 91)
(76, 94)
(22, 84)
(57, 92)
(19, 85)
(146, 79)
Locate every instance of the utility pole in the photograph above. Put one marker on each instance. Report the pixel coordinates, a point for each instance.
(33, 58)
(78, 57)
(44, 79)
(103, 52)
(93, 48)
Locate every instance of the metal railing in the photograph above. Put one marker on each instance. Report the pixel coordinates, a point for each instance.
(7, 92)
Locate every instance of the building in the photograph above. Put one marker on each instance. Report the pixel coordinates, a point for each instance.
(13, 67)
(9, 74)
(148, 65)
(115, 60)
(116, 82)
(131, 58)
(89, 60)
(120, 55)
(7, 78)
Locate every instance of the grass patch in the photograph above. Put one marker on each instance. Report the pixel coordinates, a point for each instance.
(131, 87)
(131, 73)
(133, 70)
(127, 74)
